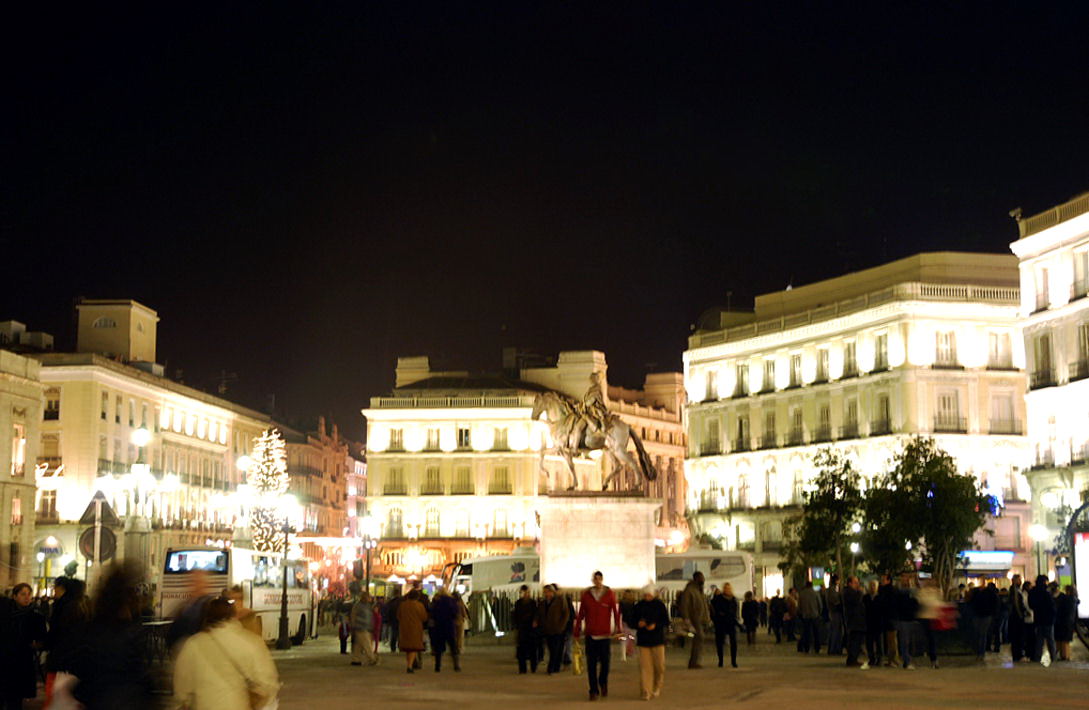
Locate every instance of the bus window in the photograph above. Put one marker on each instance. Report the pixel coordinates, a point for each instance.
(182, 561)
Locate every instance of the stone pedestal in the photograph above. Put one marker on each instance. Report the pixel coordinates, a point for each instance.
(586, 531)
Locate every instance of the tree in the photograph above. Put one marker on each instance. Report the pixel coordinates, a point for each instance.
(931, 505)
(267, 475)
(887, 537)
(822, 531)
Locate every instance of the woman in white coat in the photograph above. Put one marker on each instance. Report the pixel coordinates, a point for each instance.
(224, 665)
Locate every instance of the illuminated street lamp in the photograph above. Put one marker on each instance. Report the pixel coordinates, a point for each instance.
(371, 530)
(1039, 533)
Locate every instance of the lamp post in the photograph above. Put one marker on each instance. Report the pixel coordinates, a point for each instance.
(1039, 534)
(140, 483)
(285, 504)
(369, 526)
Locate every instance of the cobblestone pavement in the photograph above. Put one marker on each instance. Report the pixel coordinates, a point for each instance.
(316, 676)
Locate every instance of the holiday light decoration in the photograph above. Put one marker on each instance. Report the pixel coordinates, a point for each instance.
(267, 475)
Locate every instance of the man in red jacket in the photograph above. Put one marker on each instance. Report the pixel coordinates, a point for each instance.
(600, 614)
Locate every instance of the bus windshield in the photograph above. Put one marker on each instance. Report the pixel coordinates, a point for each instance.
(267, 572)
(182, 561)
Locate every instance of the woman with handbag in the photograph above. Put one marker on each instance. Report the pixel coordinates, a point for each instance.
(224, 666)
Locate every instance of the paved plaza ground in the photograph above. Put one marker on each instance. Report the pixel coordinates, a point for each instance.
(315, 676)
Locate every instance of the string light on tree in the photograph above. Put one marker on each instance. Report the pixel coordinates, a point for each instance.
(267, 475)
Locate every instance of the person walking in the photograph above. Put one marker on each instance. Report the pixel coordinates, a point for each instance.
(854, 621)
(461, 623)
(790, 619)
(389, 619)
(777, 609)
(224, 665)
(361, 620)
(71, 610)
(1043, 613)
(552, 617)
(411, 619)
(1000, 623)
(904, 611)
(694, 610)
(1017, 612)
(833, 603)
(750, 618)
(1030, 624)
(22, 633)
(524, 617)
(809, 610)
(724, 614)
(887, 602)
(983, 601)
(599, 617)
(443, 632)
(1066, 616)
(651, 619)
(875, 626)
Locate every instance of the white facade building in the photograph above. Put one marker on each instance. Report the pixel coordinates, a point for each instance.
(20, 421)
(1054, 259)
(928, 345)
(454, 461)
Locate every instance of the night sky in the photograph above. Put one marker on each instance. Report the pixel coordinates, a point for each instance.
(303, 196)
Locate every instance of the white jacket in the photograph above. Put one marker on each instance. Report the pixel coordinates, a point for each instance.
(216, 669)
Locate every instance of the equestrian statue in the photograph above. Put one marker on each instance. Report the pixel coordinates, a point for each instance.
(579, 427)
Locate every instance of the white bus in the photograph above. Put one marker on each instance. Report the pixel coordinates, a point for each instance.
(260, 575)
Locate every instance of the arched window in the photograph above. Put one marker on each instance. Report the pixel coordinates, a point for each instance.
(104, 322)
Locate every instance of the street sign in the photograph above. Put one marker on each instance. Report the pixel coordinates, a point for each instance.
(109, 517)
(107, 544)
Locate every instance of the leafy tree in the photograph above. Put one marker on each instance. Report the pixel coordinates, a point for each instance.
(930, 504)
(822, 531)
(268, 476)
(887, 536)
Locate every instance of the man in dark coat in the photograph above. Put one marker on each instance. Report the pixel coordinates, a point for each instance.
(777, 609)
(724, 618)
(444, 613)
(854, 620)
(983, 601)
(524, 616)
(22, 631)
(552, 618)
(1043, 612)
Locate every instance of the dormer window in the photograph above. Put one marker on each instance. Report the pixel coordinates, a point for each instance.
(104, 322)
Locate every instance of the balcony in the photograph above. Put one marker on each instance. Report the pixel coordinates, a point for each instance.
(50, 415)
(499, 489)
(880, 427)
(740, 390)
(394, 489)
(710, 448)
(768, 441)
(946, 362)
(740, 444)
(1006, 426)
(849, 431)
(432, 490)
(1042, 378)
(795, 437)
(1079, 454)
(1079, 289)
(51, 462)
(1079, 370)
(850, 369)
(822, 434)
(881, 363)
(1002, 364)
(1045, 458)
(950, 424)
(462, 490)
(821, 378)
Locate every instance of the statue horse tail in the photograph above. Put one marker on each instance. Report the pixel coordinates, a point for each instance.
(649, 472)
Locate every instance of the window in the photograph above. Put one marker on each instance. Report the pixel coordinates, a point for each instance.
(741, 387)
(499, 529)
(395, 482)
(396, 439)
(18, 449)
(711, 441)
(432, 440)
(16, 511)
(999, 354)
(712, 385)
(464, 438)
(797, 431)
(394, 523)
(1042, 296)
(500, 482)
(946, 355)
(103, 446)
(1081, 275)
(132, 412)
(500, 443)
(431, 522)
(104, 322)
(850, 360)
(432, 481)
(769, 376)
(742, 443)
(118, 404)
(795, 370)
(463, 482)
(882, 421)
(850, 419)
(47, 505)
(461, 524)
(881, 352)
(822, 365)
(52, 405)
(1002, 417)
(105, 405)
(769, 439)
(1042, 373)
(824, 423)
(947, 417)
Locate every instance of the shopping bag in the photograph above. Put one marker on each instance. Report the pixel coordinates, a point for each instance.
(578, 658)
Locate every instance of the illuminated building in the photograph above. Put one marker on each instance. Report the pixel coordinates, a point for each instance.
(96, 399)
(454, 462)
(924, 345)
(20, 421)
(1053, 249)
